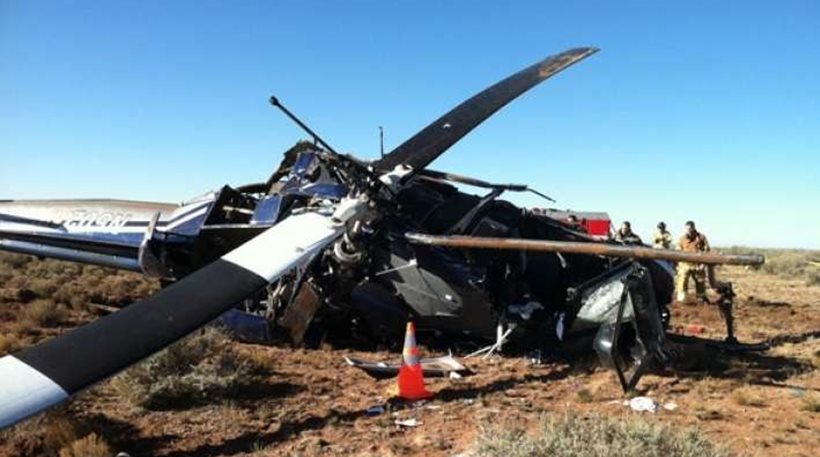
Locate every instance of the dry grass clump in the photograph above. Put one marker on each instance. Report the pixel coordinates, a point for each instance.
(745, 396)
(90, 445)
(54, 434)
(13, 261)
(194, 370)
(44, 313)
(8, 343)
(596, 436)
(811, 403)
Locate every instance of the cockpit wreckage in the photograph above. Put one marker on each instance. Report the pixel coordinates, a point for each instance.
(333, 242)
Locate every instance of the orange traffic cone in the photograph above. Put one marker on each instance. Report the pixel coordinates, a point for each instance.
(411, 378)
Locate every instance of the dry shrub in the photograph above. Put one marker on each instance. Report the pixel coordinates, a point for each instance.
(23, 330)
(5, 274)
(596, 436)
(14, 261)
(68, 283)
(44, 313)
(42, 435)
(585, 395)
(43, 287)
(8, 343)
(197, 369)
(89, 446)
(745, 396)
(811, 403)
(10, 294)
(72, 295)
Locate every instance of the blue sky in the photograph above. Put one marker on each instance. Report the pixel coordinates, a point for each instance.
(692, 110)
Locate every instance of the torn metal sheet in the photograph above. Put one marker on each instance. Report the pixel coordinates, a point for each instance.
(431, 366)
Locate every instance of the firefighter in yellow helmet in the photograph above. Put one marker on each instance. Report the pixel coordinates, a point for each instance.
(662, 238)
(693, 241)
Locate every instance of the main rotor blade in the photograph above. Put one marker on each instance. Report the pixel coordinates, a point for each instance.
(48, 373)
(574, 247)
(433, 140)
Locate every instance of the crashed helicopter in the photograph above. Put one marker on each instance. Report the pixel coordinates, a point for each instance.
(333, 241)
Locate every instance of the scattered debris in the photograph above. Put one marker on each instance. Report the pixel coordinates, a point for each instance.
(643, 404)
(375, 410)
(501, 335)
(670, 406)
(412, 422)
(535, 357)
(431, 366)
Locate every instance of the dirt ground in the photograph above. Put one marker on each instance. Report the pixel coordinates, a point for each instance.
(313, 404)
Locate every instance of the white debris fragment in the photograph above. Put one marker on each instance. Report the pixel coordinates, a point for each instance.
(412, 422)
(671, 406)
(643, 404)
(454, 375)
(525, 311)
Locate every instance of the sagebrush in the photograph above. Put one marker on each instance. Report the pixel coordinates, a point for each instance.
(195, 370)
(573, 435)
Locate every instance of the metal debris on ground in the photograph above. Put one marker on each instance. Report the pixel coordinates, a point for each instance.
(670, 406)
(412, 422)
(430, 366)
(643, 404)
(501, 336)
(375, 410)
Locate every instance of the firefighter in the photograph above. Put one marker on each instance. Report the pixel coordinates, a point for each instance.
(662, 239)
(626, 235)
(693, 241)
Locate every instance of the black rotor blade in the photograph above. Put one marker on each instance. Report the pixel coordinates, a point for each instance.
(46, 374)
(433, 140)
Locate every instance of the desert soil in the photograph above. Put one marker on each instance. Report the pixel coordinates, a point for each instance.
(313, 404)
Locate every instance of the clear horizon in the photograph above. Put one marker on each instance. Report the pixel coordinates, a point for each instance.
(698, 111)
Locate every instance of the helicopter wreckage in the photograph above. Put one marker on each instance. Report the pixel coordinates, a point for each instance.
(331, 243)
